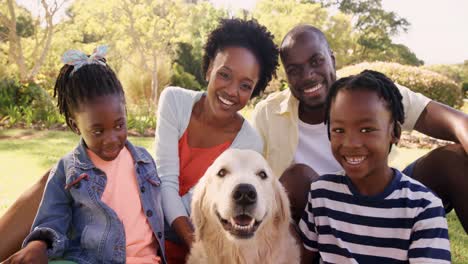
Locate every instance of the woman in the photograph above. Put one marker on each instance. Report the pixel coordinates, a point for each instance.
(194, 128)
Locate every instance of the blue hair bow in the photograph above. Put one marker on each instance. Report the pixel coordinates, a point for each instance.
(77, 58)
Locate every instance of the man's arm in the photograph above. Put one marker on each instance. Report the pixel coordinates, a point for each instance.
(310, 257)
(443, 122)
(16, 223)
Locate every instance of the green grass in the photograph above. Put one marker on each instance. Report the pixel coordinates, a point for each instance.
(25, 155)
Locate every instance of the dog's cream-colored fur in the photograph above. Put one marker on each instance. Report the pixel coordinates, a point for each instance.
(272, 241)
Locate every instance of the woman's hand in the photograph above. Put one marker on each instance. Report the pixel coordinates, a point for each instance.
(184, 230)
(35, 252)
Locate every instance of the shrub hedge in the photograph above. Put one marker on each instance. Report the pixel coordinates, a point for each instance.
(433, 85)
(30, 106)
(27, 103)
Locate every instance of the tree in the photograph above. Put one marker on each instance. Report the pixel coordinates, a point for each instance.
(186, 63)
(280, 16)
(24, 24)
(203, 18)
(375, 28)
(36, 49)
(140, 32)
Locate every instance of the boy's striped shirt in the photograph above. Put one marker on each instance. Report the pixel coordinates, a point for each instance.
(406, 222)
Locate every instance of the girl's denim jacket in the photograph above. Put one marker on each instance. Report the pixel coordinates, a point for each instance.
(77, 225)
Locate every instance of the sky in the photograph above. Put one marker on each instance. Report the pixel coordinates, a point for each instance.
(438, 33)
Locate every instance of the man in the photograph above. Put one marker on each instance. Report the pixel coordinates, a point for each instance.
(291, 123)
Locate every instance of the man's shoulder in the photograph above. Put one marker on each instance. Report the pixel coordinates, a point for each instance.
(273, 100)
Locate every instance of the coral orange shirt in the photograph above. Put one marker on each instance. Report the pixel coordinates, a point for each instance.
(194, 162)
(122, 195)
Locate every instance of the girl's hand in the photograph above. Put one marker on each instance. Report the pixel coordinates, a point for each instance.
(184, 230)
(35, 252)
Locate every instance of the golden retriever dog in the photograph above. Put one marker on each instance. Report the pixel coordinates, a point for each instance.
(241, 213)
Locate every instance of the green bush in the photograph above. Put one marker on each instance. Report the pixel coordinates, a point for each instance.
(184, 79)
(141, 118)
(137, 82)
(465, 89)
(26, 103)
(433, 85)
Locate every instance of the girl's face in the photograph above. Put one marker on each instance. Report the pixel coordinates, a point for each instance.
(361, 129)
(102, 123)
(232, 77)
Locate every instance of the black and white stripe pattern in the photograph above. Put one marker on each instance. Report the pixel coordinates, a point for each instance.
(404, 223)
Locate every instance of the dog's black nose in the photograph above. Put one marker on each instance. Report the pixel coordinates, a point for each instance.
(244, 194)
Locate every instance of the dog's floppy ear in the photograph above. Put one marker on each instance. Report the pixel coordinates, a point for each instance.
(198, 215)
(283, 213)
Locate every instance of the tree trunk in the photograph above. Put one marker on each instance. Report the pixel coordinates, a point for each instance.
(49, 32)
(15, 48)
(16, 51)
(154, 81)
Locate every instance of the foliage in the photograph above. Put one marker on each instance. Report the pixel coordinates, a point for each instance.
(458, 72)
(27, 49)
(202, 19)
(157, 43)
(137, 84)
(141, 33)
(375, 27)
(281, 16)
(27, 103)
(433, 85)
(189, 62)
(358, 31)
(141, 119)
(187, 56)
(24, 24)
(184, 79)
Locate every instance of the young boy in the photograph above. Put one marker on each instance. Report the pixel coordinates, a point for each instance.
(374, 213)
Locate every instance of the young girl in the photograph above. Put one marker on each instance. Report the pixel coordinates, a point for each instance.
(102, 202)
(373, 214)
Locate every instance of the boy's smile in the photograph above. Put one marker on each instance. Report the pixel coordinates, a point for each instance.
(361, 133)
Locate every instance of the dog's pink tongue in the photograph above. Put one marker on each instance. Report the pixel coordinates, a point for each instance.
(243, 220)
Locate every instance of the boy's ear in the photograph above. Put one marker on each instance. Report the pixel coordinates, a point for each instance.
(396, 133)
(74, 126)
(332, 56)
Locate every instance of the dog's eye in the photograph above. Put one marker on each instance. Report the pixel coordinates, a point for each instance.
(222, 172)
(262, 175)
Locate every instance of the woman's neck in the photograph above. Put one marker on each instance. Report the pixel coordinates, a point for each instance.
(203, 111)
